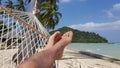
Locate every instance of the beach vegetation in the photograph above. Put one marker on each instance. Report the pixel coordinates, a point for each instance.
(82, 36)
(45, 10)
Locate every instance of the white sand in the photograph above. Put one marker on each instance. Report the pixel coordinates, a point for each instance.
(86, 63)
(72, 59)
(6, 58)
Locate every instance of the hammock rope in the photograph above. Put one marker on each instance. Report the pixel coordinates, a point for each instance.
(21, 35)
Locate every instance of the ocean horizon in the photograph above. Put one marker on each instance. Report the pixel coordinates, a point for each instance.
(106, 49)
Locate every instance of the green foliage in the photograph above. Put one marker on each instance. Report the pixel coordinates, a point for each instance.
(49, 15)
(0, 2)
(82, 36)
(9, 4)
(20, 5)
(47, 10)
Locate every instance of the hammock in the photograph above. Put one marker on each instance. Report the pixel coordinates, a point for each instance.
(21, 35)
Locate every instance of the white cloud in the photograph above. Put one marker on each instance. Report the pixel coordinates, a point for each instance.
(65, 1)
(110, 14)
(115, 8)
(92, 26)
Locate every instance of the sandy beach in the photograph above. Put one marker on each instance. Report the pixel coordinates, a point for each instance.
(73, 59)
(6, 58)
(70, 59)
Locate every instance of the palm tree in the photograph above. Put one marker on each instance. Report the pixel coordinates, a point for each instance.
(9, 4)
(45, 10)
(20, 5)
(0, 2)
(49, 15)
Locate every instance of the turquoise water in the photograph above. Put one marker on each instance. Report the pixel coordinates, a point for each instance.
(110, 50)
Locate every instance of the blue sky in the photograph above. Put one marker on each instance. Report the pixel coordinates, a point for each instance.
(99, 16)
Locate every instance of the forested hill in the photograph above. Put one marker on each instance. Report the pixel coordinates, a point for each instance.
(82, 36)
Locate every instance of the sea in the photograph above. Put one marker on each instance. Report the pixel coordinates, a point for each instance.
(106, 49)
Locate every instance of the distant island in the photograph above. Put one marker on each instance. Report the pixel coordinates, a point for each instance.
(82, 36)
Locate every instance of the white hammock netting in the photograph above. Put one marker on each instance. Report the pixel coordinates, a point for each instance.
(21, 35)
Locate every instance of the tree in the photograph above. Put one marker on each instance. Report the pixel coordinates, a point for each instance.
(45, 10)
(49, 15)
(20, 5)
(0, 2)
(9, 4)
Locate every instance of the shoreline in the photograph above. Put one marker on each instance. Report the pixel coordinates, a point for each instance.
(95, 55)
(71, 59)
(79, 59)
